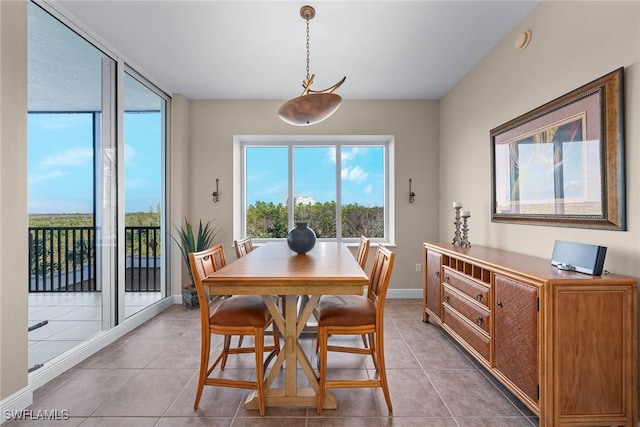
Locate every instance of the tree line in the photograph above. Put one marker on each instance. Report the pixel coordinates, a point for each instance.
(270, 220)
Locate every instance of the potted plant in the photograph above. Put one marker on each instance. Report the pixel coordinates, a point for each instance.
(188, 242)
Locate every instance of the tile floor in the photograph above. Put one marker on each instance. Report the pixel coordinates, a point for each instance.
(148, 378)
(72, 317)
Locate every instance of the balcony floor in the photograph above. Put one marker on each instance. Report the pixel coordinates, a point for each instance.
(72, 317)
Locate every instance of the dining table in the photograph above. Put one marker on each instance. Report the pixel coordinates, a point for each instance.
(273, 270)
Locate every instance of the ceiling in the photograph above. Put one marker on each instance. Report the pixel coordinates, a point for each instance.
(254, 50)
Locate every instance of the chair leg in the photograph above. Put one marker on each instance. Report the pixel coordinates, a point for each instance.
(373, 351)
(364, 340)
(276, 346)
(259, 347)
(225, 350)
(379, 352)
(322, 365)
(205, 348)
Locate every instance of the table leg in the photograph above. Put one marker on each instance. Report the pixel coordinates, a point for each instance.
(291, 325)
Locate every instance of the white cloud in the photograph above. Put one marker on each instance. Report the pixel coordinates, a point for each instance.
(73, 157)
(129, 155)
(346, 154)
(368, 189)
(349, 154)
(46, 176)
(331, 155)
(354, 174)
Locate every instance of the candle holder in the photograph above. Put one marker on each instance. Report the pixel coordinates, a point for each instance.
(457, 240)
(465, 232)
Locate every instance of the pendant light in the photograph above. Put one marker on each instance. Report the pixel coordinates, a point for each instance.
(312, 106)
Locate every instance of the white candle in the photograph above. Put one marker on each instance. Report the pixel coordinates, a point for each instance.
(457, 204)
(465, 214)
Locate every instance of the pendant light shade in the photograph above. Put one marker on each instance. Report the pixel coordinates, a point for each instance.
(312, 106)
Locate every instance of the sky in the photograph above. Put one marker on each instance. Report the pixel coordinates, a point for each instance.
(60, 162)
(362, 174)
(60, 167)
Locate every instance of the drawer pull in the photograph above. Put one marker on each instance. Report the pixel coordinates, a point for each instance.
(480, 321)
(499, 304)
(479, 297)
(437, 274)
(446, 279)
(446, 298)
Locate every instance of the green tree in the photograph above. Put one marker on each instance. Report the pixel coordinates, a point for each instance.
(267, 220)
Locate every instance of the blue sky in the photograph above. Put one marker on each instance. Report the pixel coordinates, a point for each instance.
(362, 174)
(60, 162)
(60, 154)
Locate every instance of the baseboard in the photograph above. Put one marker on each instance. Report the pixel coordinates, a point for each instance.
(15, 403)
(404, 293)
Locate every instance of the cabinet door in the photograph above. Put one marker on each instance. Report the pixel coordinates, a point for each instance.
(516, 333)
(433, 286)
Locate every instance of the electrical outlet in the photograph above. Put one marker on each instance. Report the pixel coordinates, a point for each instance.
(418, 267)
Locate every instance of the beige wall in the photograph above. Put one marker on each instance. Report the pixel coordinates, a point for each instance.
(573, 43)
(13, 197)
(413, 123)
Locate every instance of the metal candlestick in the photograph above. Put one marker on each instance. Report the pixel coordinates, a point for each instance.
(456, 237)
(465, 233)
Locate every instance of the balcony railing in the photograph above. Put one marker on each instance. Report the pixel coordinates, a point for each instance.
(63, 259)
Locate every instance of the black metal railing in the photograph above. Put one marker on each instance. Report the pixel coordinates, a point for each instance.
(63, 259)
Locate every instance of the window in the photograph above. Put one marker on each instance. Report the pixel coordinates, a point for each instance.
(339, 184)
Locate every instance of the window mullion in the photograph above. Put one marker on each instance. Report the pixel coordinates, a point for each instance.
(291, 196)
(338, 192)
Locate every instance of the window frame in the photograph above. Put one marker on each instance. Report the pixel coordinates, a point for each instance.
(240, 142)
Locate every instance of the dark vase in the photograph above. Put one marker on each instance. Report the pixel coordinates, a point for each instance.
(301, 238)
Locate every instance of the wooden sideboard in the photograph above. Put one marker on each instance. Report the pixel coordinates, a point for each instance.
(564, 343)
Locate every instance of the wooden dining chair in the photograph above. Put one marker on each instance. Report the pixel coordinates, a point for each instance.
(356, 315)
(243, 246)
(229, 315)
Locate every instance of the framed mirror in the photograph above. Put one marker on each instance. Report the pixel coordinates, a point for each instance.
(562, 164)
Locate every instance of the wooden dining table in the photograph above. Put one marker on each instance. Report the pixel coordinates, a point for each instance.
(272, 269)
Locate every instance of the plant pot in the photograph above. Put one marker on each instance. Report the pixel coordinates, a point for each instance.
(190, 297)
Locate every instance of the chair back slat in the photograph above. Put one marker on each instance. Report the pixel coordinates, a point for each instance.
(202, 264)
(363, 251)
(243, 246)
(380, 276)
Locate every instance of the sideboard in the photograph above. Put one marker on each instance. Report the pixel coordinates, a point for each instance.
(564, 343)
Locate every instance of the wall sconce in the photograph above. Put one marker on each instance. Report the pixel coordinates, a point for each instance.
(215, 195)
(412, 195)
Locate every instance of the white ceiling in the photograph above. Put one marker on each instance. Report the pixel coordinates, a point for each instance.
(256, 49)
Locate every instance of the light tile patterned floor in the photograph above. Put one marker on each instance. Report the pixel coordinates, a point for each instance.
(148, 378)
(72, 317)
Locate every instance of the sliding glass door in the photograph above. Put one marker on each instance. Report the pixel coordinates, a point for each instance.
(96, 161)
(144, 142)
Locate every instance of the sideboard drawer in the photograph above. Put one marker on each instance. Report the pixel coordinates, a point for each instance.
(471, 336)
(474, 312)
(467, 286)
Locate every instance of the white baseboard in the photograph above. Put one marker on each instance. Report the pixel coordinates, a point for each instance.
(404, 293)
(14, 403)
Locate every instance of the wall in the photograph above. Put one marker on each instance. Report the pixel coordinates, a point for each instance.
(572, 44)
(178, 184)
(13, 197)
(414, 124)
